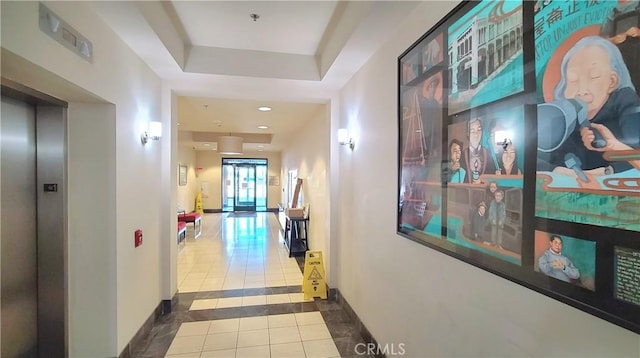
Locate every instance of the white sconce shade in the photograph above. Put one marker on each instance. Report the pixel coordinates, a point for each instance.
(344, 138)
(230, 145)
(153, 132)
(503, 138)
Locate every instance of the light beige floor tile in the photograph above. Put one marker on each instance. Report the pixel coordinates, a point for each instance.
(275, 283)
(196, 276)
(188, 289)
(277, 299)
(254, 284)
(202, 268)
(297, 279)
(186, 355)
(307, 318)
(314, 332)
(253, 352)
(193, 329)
(210, 287)
(273, 273)
(206, 304)
(209, 280)
(282, 320)
(224, 325)
(219, 341)
(232, 285)
(229, 302)
(235, 277)
(190, 344)
(253, 338)
(291, 270)
(323, 348)
(253, 323)
(287, 350)
(298, 297)
(216, 274)
(284, 335)
(225, 353)
(254, 300)
(190, 285)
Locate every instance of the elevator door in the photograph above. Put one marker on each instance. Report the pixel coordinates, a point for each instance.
(19, 290)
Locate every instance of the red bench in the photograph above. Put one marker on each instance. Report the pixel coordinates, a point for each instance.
(182, 232)
(194, 218)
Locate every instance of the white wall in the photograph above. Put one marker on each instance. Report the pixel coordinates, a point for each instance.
(187, 193)
(211, 164)
(309, 153)
(407, 293)
(92, 239)
(119, 77)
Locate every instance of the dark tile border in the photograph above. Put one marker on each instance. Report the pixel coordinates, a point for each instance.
(139, 339)
(346, 345)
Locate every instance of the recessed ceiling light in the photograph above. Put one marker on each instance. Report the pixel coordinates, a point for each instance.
(261, 146)
(264, 108)
(263, 127)
(260, 150)
(178, 123)
(207, 145)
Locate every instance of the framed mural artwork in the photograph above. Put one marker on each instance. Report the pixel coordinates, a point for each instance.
(519, 147)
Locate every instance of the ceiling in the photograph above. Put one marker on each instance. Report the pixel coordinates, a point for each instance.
(222, 64)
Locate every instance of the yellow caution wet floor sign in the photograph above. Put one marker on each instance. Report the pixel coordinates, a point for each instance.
(313, 281)
(199, 208)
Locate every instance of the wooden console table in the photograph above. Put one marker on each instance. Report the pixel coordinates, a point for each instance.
(296, 235)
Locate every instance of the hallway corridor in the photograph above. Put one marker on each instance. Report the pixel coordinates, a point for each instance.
(240, 296)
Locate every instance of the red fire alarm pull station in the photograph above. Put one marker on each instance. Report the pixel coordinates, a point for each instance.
(137, 236)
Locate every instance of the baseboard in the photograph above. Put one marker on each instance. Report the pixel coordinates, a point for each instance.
(273, 210)
(168, 306)
(137, 342)
(335, 295)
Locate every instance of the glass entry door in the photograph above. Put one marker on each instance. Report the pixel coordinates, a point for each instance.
(245, 195)
(244, 184)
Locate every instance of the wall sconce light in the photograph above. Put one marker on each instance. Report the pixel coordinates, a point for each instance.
(153, 132)
(503, 138)
(344, 138)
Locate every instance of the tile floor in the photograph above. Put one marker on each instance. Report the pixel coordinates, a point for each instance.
(302, 335)
(240, 296)
(236, 251)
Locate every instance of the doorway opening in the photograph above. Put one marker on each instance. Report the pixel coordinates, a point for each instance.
(244, 184)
